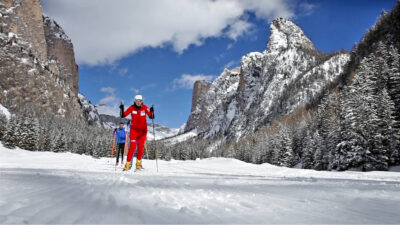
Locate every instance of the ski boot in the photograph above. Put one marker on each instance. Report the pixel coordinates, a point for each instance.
(116, 164)
(139, 164)
(127, 166)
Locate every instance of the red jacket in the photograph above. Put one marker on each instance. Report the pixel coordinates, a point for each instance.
(138, 115)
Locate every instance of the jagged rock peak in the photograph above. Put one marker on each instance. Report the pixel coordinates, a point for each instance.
(55, 28)
(285, 34)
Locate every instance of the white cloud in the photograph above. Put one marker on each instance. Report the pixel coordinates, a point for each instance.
(104, 31)
(135, 90)
(142, 88)
(123, 71)
(238, 28)
(187, 81)
(108, 110)
(231, 64)
(109, 90)
(109, 105)
(306, 9)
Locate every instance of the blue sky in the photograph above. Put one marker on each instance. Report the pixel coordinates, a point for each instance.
(158, 48)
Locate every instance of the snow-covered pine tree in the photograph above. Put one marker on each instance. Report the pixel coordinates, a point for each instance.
(394, 80)
(307, 159)
(349, 152)
(12, 134)
(383, 135)
(3, 125)
(331, 122)
(320, 154)
(29, 134)
(284, 149)
(59, 142)
(45, 139)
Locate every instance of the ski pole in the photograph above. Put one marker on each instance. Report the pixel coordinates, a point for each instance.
(154, 137)
(147, 152)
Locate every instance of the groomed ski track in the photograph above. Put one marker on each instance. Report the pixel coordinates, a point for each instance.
(51, 188)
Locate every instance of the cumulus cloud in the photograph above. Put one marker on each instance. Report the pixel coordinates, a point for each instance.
(186, 81)
(104, 31)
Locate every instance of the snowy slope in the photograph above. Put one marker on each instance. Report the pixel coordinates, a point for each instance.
(45, 187)
(160, 131)
(180, 137)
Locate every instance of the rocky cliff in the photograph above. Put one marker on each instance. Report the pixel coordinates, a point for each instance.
(37, 62)
(289, 74)
(60, 53)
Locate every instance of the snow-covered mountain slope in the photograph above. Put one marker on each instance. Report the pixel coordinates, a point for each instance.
(46, 187)
(269, 84)
(89, 110)
(180, 137)
(160, 131)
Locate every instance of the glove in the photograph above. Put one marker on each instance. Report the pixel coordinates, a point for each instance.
(152, 112)
(122, 110)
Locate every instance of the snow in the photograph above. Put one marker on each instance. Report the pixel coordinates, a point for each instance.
(160, 131)
(25, 61)
(182, 137)
(46, 187)
(5, 112)
(11, 35)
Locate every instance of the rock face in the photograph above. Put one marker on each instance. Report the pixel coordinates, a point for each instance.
(25, 19)
(289, 74)
(37, 64)
(61, 54)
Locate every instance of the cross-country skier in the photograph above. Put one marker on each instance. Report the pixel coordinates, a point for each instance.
(138, 132)
(120, 134)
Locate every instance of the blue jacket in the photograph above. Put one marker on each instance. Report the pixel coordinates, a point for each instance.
(120, 135)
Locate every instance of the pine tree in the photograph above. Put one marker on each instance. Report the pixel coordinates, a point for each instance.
(59, 142)
(11, 138)
(320, 156)
(3, 126)
(29, 134)
(307, 159)
(394, 79)
(284, 150)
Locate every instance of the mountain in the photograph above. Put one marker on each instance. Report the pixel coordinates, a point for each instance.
(289, 74)
(39, 86)
(292, 105)
(37, 61)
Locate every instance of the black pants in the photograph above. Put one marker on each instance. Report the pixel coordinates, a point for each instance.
(121, 147)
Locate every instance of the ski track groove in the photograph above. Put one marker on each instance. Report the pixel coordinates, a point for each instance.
(192, 194)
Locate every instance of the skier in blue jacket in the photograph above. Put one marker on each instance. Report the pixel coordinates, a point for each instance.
(120, 134)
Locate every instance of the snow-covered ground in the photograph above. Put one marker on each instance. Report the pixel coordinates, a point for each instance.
(45, 187)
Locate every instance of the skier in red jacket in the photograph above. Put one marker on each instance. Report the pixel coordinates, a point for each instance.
(138, 132)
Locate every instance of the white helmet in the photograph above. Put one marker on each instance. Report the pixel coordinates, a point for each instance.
(138, 97)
